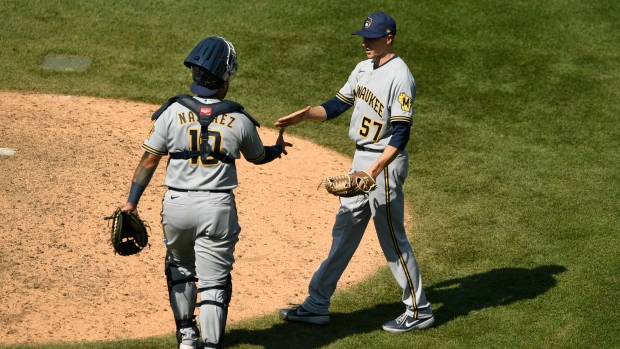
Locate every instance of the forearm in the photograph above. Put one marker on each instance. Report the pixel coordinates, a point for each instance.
(389, 154)
(316, 114)
(271, 153)
(335, 107)
(142, 176)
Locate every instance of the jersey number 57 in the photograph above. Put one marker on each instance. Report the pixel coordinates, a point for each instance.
(367, 125)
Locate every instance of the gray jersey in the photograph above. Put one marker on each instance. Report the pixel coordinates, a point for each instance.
(379, 96)
(177, 129)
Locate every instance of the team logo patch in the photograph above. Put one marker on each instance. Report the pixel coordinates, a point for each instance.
(368, 22)
(205, 111)
(151, 132)
(405, 102)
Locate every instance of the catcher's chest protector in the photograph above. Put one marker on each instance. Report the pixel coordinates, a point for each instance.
(211, 110)
(206, 113)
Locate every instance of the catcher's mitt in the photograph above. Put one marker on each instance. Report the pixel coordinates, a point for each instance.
(349, 184)
(129, 232)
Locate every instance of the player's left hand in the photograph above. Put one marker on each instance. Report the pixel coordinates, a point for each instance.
(280, 141)
(349, 184)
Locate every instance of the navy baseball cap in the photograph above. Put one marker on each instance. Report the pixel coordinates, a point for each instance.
(202, 91)
(377, 25)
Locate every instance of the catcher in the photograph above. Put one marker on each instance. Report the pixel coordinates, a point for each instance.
(204, 136)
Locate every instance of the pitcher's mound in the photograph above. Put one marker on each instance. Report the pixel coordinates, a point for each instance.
(73, 165)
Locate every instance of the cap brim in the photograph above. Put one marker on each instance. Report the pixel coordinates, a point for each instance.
(367, 34)
(202, 91)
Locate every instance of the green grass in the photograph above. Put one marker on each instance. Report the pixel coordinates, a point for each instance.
(514, 180)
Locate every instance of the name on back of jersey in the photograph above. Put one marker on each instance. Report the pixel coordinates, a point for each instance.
(189, 117)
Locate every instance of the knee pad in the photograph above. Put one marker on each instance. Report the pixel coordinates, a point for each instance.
(227, 288)
(176, 275)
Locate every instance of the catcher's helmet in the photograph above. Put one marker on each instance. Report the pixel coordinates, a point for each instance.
(213, 61)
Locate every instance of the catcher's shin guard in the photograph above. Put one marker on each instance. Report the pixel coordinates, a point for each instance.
(182, 294)
(212, 298)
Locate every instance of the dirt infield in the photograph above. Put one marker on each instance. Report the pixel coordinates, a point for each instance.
(73, 164)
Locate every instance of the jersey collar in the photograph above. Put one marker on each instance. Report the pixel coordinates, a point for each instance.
(375, 66)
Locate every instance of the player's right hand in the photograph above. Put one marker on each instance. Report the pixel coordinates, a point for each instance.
(293, 118)
(129, 207)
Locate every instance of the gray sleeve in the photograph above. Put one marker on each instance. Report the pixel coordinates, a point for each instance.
(251, 145)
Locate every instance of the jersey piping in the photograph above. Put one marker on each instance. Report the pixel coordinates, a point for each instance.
(154, 151)
(402, 261)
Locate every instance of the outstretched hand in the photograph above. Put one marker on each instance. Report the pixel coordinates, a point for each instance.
(280, 141)
(293, 118)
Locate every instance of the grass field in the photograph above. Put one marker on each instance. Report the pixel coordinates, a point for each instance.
(514, 180)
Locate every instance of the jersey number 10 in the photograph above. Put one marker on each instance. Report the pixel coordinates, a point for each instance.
(194, 145)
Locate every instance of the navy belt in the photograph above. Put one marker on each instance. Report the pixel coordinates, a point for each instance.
(359, 147)
(226, 191)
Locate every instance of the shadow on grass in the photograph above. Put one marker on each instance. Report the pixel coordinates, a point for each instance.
(458, 297)
(494, 288)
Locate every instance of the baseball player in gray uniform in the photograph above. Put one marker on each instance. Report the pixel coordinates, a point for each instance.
(381, 90)
(203, 135)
